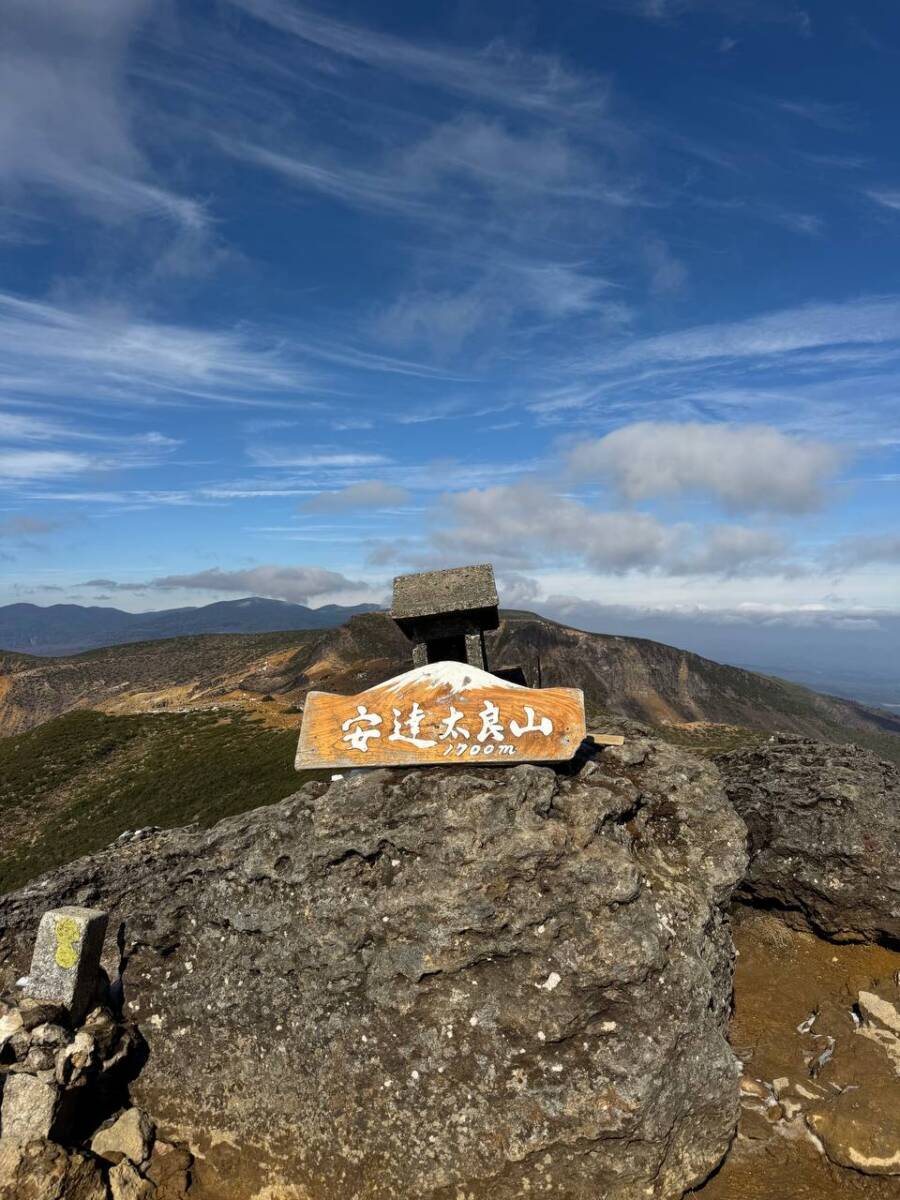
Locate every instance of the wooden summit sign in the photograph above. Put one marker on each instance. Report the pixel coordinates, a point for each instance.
(443, 712)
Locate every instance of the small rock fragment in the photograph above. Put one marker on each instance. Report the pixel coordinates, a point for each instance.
(754, 1125)
(40, 1012)
(168, 1169)
(29, 1108)
(754, 1087)
(127, 1183)
(103, 1028)
(75, 1062)
(10, 1024)
(880, 1012)
(41, 1170)
(632, 754)
(40, 1058)
(130, 1136)
(53, 1036)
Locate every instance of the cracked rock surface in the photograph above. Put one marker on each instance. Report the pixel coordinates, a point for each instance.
(824, 825)
(435, 982)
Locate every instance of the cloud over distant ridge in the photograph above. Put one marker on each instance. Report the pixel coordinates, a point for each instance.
(296, 584)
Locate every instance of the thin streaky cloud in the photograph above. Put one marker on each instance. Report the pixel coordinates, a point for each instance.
(48, 348)
(287, 457)
(416, 184)
(67, 118)
(366, 189)
(535, 83)
(865, 321)
(887, 198)
(819, 112)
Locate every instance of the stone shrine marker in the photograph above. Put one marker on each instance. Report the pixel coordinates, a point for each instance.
(445, 712)
(65, 965)
(448, 709)
(445, 613)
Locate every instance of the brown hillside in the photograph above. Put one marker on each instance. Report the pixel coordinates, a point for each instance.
(627, 677)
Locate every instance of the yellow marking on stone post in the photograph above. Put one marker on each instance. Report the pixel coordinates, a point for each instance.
(67, 934)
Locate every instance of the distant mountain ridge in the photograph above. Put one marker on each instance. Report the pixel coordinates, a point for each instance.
(60, 629)
(271, 673)
(168, 731)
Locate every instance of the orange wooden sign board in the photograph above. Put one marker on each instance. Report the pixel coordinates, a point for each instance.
(444, 712)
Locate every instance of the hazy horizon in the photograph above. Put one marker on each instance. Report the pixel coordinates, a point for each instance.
(856, 664)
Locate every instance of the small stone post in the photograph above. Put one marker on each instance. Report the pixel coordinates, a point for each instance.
(65, 966)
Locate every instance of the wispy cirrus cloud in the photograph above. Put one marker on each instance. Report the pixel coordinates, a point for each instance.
(507, 292)
(311, 458)
(867, 321)
(36, 448)
(476, 191)
(886, 197)
(499, 74)
(18, 466)
(752, 12)
(825, 114)
(804, 370)
(461, 170)
(32, 427)
(112, 355)
(66, 125)
(366, 188)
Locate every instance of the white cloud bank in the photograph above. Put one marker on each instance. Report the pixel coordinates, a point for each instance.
(748, 468)
(528, 523)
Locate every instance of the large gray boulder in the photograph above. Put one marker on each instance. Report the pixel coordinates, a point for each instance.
(435, 983)
(824, 825)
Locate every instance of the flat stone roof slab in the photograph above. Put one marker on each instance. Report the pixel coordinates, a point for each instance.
(430, 593)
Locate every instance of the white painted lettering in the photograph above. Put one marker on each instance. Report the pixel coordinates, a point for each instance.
(359, 737)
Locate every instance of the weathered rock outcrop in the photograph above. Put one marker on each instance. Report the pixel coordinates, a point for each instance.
(41, 1170)
(824, 825)
(433, 983)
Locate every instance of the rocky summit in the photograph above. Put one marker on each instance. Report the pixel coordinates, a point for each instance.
(433, 983)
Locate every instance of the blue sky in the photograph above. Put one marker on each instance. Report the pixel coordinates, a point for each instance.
(296, 298)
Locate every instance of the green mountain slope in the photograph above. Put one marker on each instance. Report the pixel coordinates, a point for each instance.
(77, 782)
